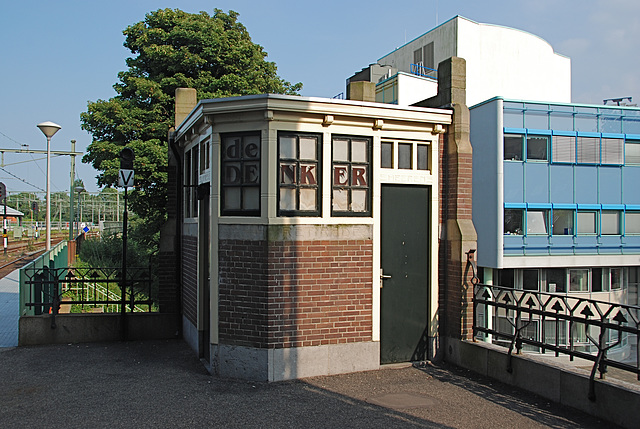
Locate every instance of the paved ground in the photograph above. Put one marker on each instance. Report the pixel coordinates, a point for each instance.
(163, 384)
(9, 309)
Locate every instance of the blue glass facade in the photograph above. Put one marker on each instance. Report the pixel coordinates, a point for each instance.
(571, 179)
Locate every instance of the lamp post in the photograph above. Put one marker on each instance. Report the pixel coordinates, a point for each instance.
(48, 129)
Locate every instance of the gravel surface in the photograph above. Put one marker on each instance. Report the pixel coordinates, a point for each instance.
(163, 384)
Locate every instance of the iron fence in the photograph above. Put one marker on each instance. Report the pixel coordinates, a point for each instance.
(604, 333)
(86, 290)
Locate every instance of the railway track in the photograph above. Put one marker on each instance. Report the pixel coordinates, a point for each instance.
(20, 253)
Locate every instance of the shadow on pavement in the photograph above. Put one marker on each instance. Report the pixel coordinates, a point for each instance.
(163, 384)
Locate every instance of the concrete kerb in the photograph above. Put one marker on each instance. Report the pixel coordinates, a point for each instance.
(616, 401)
(85, 328)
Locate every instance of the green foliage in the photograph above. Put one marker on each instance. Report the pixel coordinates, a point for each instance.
(172, 49)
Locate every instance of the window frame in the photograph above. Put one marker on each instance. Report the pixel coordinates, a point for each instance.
(297, 212)
(350, 187)
(242, 186)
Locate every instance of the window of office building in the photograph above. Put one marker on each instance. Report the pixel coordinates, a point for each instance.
(588, 151)
(579, 280)
(298, 174)
(632, 152)
(564, 149)
(615, 278)
(537, 221)
(632, 222)
(586, 222)
(351, 176)
(612, 151)
(556, 280)
(563, 222)
(513, 147)
(537, 148)
(530, 279)
(610, 222)
(513, 220)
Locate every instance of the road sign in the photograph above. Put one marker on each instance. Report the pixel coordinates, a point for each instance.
(125, 178)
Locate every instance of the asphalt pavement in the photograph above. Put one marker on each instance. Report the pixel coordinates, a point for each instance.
(162, 384)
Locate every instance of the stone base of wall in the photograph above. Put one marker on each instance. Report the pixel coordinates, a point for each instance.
(89, 328)
(292, 363)
(190, 333)
(616, 401)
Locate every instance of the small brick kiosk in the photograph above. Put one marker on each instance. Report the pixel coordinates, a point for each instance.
(307, 233)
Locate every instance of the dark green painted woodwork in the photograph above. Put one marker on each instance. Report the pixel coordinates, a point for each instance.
(404, 257)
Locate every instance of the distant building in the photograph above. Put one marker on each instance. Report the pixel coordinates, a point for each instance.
(501, 61)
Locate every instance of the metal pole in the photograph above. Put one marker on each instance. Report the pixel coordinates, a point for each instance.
(4, 227)
(123, 286)
(72, 189)
(48, 216)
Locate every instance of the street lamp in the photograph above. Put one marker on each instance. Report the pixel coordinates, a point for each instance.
(48, 129)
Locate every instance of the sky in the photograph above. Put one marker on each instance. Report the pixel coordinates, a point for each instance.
(58, 56)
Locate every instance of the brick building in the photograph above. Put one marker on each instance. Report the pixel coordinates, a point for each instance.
(309, 231)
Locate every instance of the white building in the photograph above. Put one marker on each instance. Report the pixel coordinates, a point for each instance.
(501, 61)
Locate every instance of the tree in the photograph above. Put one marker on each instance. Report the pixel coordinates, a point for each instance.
(172, 49)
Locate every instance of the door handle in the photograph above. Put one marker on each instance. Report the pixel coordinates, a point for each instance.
(383, 276)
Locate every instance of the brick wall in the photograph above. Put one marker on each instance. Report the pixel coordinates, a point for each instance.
(295, 293)
(190, 278)
(242, 292)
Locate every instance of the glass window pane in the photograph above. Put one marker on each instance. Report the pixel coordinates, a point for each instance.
(553, 337)
(579, 280)
(632, 223)
(287, 199)
(563, 222)
(232, 198)
(513, 147)
(506, 277)
(612, 151)
(232, 174)
(596, 280)
(359, 175)
(340, 150)
(556, 280)
(359, 151)
(513, 221)
(564, 149)
(423, 157)
(632, 152)
(251, 198)
(530, 279)
(588, 150)
(586, 123)
(340, 175)
(251, 147)
(287, 174)
(561, 121)
(404, 155)
(611, 123)
(537, 148)
(340, 201)
(536, 119)
(386, 155)
(308, 199)
(586, 223)
(610, 221)
(308, 148)
(288, 147)
(616, 278)
(359, 200)
(537, 222)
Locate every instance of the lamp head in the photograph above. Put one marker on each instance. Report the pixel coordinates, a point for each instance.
(48, 128)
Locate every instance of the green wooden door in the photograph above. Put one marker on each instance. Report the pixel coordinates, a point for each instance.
(404, 259)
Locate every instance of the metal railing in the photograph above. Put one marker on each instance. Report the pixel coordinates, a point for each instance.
(604, 333)
(85, 290)
(421, 70)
